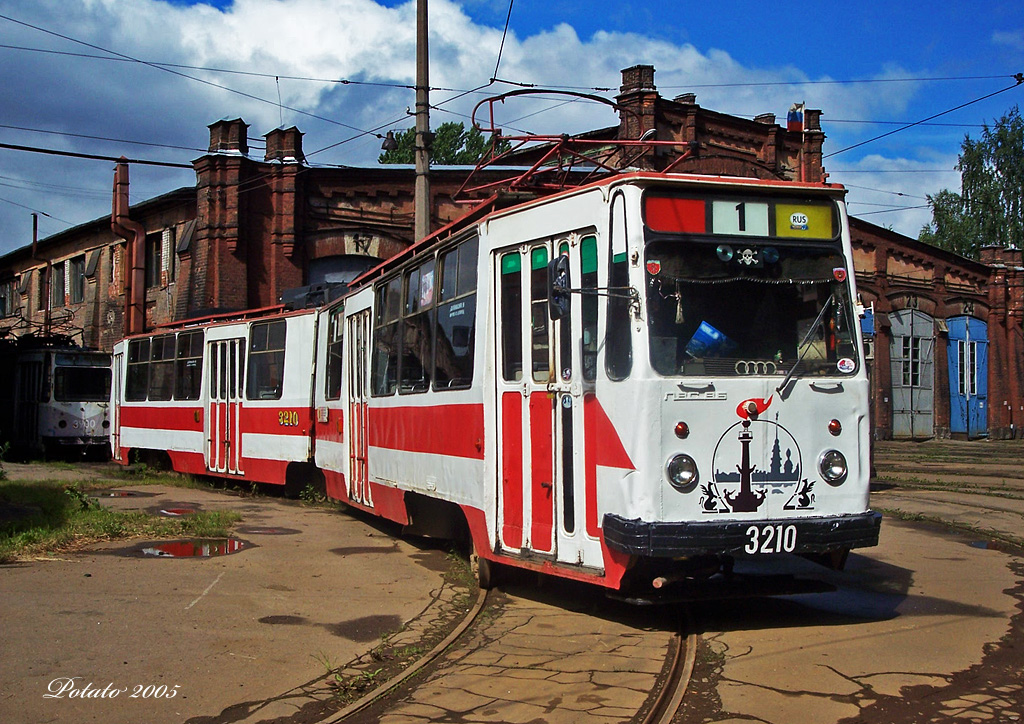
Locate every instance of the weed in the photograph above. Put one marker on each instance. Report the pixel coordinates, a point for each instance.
(79, 498)
(54, 517)
(324, 660)
(310, 494)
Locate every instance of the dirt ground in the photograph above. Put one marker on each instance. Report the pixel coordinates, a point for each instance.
(115, 634)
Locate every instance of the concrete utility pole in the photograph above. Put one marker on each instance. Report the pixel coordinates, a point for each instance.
(422, 190)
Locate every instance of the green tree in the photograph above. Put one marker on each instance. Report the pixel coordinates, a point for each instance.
(989, 210)
(453, 145)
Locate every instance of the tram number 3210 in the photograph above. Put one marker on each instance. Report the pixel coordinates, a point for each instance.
(770, 539)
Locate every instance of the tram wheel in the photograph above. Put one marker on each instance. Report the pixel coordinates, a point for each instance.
(483, 570)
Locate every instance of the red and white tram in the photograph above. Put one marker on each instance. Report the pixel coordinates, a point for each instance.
(639, 375)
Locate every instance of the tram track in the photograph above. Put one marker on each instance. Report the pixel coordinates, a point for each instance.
(660, 704)
(669, 698)
(415, 667)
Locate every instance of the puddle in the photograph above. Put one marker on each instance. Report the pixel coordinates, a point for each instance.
(177, 512)
(201, 548)
(992, 545)
(261, 530)
(118, 494)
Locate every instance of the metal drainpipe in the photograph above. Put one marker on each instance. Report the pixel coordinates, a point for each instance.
(134, 234)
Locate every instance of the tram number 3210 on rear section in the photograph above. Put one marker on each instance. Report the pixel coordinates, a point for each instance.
(770, 539)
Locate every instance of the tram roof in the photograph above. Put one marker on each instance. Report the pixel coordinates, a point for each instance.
(500, 204)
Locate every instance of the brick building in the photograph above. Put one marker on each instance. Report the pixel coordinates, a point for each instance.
(947, 330)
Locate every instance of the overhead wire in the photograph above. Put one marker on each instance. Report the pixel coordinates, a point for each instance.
(37, 211)
(179, 73)
(103, 138)
(1019, 81)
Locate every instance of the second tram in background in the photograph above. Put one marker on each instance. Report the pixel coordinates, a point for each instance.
(57, 396)
(625, 383)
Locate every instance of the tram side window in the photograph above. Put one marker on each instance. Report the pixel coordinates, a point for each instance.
(161, 367)
(265, 373)
(417, 321)
(384, 364)
(335, 349)
(188, 377)
(511, 317)
(137, 378)
(456, 318)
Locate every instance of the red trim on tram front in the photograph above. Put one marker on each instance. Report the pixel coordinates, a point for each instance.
(603, 447)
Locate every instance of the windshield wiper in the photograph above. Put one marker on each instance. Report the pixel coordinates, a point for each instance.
(803, 344)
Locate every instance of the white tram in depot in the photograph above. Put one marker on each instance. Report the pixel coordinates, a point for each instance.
(622, 383)
(55, 397)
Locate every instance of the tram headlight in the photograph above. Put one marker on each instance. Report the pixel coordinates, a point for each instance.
(833, 467)
(682, 473)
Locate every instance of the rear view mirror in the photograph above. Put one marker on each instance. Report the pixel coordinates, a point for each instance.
(558, 287)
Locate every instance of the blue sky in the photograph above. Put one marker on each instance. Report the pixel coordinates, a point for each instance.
(66, 88)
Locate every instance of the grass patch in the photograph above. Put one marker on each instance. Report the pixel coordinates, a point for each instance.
(48, 517)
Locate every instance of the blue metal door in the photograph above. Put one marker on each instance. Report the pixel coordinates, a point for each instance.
(968, 376)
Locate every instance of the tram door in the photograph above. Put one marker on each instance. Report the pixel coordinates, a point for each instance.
(967, 353)
(539, 408)
(224, 409)
(358, 345)
(115, 406)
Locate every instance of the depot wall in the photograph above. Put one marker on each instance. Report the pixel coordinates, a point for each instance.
(252, 228)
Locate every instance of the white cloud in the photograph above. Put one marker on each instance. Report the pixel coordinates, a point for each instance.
(892, 192)
(1013, 39)
(357, 40)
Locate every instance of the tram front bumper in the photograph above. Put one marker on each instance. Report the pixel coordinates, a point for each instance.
(739, 537)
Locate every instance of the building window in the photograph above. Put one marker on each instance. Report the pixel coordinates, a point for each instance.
(9, 298)
(57, 285)
(154, 259)
(77, 279)
(170, 258)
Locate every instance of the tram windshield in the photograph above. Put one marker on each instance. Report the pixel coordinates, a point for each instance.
(721, 309)
(81, 384)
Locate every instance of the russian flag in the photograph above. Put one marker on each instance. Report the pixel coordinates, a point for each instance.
(795, 119)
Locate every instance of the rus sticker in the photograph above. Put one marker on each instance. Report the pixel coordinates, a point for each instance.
(846, 365)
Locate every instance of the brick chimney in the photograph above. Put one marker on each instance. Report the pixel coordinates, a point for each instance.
(229, 136)
(285, 145)
(638, 96)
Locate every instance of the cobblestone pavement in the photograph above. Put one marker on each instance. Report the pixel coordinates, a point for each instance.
(567, 657)
(928, 627)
